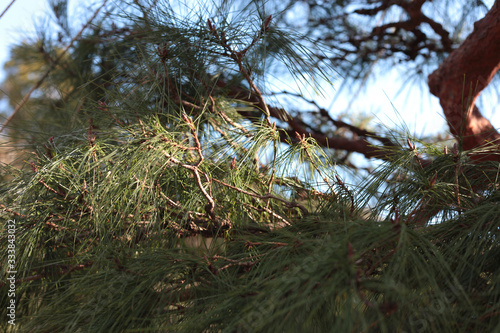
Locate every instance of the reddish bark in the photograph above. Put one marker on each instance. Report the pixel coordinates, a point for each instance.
(460, 79)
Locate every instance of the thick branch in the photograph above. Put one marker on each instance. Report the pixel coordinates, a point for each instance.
(361, 146)
(463, 75)
(358, 145)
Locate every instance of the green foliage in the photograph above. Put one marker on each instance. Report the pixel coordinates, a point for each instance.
(165, 209)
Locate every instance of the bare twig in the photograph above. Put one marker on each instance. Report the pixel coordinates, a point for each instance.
(7, 8)
(238, 56)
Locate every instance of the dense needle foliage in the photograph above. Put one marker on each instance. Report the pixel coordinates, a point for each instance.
(169, 201)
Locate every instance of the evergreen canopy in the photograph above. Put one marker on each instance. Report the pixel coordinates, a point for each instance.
(167, 199)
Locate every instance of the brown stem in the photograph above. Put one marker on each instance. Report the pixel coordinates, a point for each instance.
(7, 8)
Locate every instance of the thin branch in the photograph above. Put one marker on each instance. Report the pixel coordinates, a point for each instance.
(270, 212)
(6, 9)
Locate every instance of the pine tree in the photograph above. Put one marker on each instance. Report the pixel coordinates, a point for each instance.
(170, 199)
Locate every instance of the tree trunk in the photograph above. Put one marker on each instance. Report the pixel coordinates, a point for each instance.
(463, 75)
